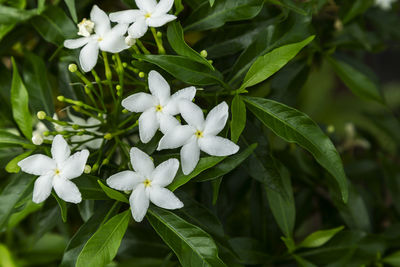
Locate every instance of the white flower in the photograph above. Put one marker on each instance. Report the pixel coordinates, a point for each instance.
(56, 172)
(149, 14)
(38, 134)
(104, 38)
(199, 134)
(158, 108)
(93, 144)
(384, 4)
(147, 183)
(85, 27)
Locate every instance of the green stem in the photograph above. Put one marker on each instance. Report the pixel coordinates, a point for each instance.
(144, 49)
(158, 40)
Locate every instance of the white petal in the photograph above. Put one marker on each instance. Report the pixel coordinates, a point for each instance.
(190, 154)
(187, 93)
(42, 188)
(139, 203)
(148, 125)
(217, 146)
(126, 16)
(125, 180)
(37, 164)
(163, 7)
(159, 20)
(176, 137)
(60, 149)
(75, 119)
(165, 173)
(159, 87)
(146, 5)
(88, 56)
(76, 43)
(67, 190)
(138, 102)
(138, 28)
(141, 162)
(167, 123)
(192, 113)
(73, 167)
(94, 144)
(100, 19)
(164, 198)
(114, 40)
(216, 119)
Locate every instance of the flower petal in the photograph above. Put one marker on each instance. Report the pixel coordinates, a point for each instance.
(159, 87)
(167, 123)
(148, 125)
(159, 20)
(217, 146)
(216, 119)
(76, 43)
(126, 16)
(163, 7)
(146, 5)
(141, 162)
(37, 164)
(67, 190)
(138, 102)
(100, 19)
(176, 137)
(190, 154)
(164, 198)
(114, 40)
(125, 180)
(165, 173)
(187, 93)
(94, 144)
(139, 203)
(60, 149)
(42, 188)
(88, 56)
(138, 28)
(73, 167)
(192, 113)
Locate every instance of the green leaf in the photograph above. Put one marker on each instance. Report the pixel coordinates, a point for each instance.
(72, 10)
(6, 259)
(355, 8)
(393, 259)
(5, 28)
(102, 247)
(359, 83)
(265, 66)
(113, 194)
(19, 103)
(211, 2)
(29, 208)
(89, 188)
(12, 166)
(238, 109)
(319, 238)
(184, 69)
(226, 166)
(191, 245)
(8, 138)
(10, 15)
(296, 127)
(63, 207)
(210, 17)
(303, 262)
(177, 42)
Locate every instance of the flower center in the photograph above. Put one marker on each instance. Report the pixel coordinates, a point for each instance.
(147, 183)
(148, 15)
(198, 134)
(99, 39)
(159, 108)
(57, 172)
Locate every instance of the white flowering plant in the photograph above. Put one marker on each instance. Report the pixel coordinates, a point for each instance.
(199, 133)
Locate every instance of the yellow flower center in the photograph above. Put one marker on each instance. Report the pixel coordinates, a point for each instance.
(99, 39)
(198, 134)
(57, 171)
(158, 108)
(147, 183)
(148, 15)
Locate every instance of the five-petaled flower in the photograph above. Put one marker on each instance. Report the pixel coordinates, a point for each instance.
(149, 14)
(158, 108)
(147, 183)
(199, 134)
(104, 38)
(56, 172)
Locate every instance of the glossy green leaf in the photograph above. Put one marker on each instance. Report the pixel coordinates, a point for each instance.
(29, 208)
(177, 42)
(295, 126)
(270, 63)
(113, 194)
(63, 206)
(359, 83)
(19, 103)
(102, 247)
(71, 8)
(9, 15)
(184, 69)
(12, 166)
(210, 17)
(392, 259)
(319, 238)
(191, 245)
(238, 122)
(8, 138)
(90, 188)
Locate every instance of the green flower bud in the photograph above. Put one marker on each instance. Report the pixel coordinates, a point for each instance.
(105, 162)
(159, 34)
(108, 136)
(72, 67)
(203, 53)
(125, 111)
(124, 64)
(41, 115)
(141, 74)
(76, 108)
(95, 167)
(330, 129)
(87, 169)
(60, 98)
(118, 87)
(210, 61)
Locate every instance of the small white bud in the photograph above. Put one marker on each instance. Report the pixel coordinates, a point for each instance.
(129, 41)
(85, 27)
(37, 139)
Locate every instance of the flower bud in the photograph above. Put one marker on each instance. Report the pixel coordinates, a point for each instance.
(210, 61)
(159, 34)
(105, 162)
(330, 129)
(125, 111)
(60, 98)
(87, 169)
(95, 167)
(41, 115)
(141, 74)
(37, 139)
(203, 53)
(108, 136)
(76, 108)
(129, 41)
(118, 87)
(124, 64)
(72, 67)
